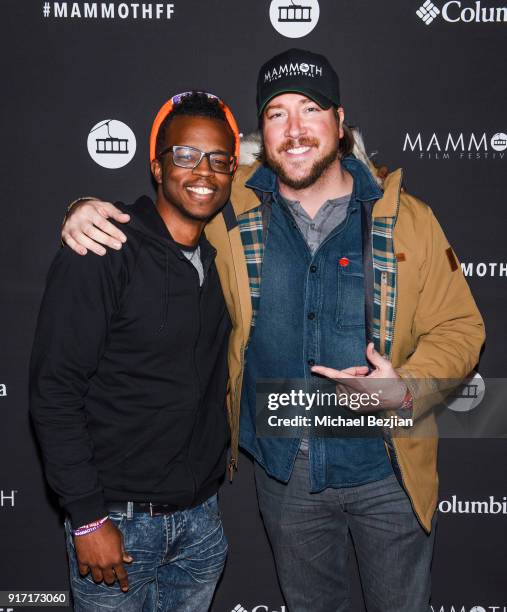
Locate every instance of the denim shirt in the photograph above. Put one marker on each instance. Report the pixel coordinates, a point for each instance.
(311, 311)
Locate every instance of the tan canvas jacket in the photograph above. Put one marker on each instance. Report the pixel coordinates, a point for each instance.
(438, 330)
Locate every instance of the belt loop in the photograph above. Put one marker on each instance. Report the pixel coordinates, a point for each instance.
(151, 509)
(130, 510)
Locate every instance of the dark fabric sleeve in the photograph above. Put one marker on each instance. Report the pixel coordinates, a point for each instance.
(81, 296)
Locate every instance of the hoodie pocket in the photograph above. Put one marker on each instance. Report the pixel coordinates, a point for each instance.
(158, 457)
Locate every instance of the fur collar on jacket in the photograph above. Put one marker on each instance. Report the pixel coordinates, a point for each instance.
(250, 147)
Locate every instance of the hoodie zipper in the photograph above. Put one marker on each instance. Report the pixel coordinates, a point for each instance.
(196, 370)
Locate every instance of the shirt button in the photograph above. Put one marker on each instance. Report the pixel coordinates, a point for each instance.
(312, 225)
(311, 316)
(313, 268)
(311, 362)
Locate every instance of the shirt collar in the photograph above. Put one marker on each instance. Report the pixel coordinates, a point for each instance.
(263, 179)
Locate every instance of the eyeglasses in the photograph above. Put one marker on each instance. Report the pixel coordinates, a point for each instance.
(190, 157)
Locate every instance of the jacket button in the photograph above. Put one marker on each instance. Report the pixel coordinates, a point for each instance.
(311, 316)
(311, 362)
(313, 268)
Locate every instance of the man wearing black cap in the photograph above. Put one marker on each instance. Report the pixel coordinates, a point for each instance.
(315, 492)
(361, 279)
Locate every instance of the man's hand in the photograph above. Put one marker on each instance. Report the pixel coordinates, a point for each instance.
(87, 228)
(383, 380)
(102, 552)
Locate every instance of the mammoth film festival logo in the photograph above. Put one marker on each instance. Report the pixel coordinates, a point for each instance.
(294, 18)
(111, 144)
(465, 608)
(456, 145)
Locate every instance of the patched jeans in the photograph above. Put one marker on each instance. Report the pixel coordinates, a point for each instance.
(310, 533)
(178, 560)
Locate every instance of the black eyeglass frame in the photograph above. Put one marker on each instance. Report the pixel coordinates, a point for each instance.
(173, 148)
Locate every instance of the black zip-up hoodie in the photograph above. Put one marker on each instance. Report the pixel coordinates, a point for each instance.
(128, 373)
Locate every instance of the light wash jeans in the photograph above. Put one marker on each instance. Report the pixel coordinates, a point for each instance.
(178, 560)
(310, 532)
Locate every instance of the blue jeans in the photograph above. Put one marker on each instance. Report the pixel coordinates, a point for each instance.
(178, 559)
(309, 534)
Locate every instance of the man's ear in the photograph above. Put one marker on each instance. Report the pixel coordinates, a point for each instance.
(341, 118)
(156, 170)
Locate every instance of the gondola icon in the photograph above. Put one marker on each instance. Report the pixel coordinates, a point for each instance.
(468, 395)
(466, 392)
(294, 13)
(499, 141)
(111, 144)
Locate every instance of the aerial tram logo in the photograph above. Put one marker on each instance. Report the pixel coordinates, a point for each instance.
(111, 144)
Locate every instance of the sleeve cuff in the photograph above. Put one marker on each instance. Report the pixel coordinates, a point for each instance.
(77, 201)
(86, 510)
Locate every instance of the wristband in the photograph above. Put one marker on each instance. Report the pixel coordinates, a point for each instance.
(70, 207)
(407, 405)
(77, 201)
(89, 527)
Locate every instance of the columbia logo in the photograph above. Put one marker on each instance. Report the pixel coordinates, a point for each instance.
(428, 12)
(239, 608)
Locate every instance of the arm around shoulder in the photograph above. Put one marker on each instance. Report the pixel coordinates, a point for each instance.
(86, 226)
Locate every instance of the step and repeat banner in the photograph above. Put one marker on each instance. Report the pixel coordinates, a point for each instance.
(82, 82)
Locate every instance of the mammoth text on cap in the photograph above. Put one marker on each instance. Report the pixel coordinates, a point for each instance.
(292, 69)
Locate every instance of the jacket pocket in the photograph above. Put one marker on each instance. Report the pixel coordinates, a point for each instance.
(350, 298)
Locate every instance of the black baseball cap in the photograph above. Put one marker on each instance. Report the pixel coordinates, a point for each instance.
(298, 71)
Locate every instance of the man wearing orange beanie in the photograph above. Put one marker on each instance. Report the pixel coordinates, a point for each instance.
(128, 382)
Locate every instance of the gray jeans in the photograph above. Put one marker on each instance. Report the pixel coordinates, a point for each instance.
(309, 534)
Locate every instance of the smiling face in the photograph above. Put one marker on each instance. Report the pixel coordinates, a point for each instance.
(194, 194)
(300, 138)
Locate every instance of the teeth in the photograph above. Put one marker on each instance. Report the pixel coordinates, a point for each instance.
(298, 150)
(200, 190)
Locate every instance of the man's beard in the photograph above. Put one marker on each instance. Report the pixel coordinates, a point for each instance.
(316, 171)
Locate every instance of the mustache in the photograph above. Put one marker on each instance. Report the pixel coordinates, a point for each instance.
(298, 142)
